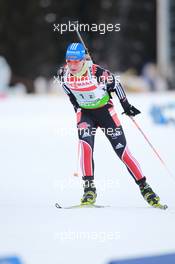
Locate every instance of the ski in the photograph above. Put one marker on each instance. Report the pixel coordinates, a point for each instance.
(78, 206)
(81, 206)
(160, 206)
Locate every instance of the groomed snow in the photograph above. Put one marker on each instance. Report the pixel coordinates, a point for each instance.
(38, 153)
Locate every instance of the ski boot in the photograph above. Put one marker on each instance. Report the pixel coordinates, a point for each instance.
(89, 196)
(149, 195)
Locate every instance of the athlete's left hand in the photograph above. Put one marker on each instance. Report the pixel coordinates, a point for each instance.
(131, 111)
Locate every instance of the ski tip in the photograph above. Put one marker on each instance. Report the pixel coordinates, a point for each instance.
(164, 206)
(161, 206)
(78, 206)
(57, 205)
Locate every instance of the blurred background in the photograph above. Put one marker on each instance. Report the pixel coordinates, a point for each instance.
(143, 51)
(38, 137)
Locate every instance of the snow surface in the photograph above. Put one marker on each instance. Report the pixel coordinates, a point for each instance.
(38, 143)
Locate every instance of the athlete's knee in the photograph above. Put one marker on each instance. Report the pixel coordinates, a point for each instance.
(119, 149)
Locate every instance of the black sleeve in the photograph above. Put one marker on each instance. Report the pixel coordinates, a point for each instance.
(113, 85)
(118, 89)
(71, 97)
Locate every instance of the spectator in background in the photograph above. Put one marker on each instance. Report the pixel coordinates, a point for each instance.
(5, 76)
(153, 79)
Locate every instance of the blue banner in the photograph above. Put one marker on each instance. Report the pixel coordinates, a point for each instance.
(162, 259)
(10, 260)
(163, 114)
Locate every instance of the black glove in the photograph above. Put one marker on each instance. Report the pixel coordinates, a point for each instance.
(131, 111)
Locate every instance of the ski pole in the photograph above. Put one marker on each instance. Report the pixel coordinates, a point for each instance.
(81, 40)
(150, 144)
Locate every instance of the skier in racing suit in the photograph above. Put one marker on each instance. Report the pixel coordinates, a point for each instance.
(89, 89)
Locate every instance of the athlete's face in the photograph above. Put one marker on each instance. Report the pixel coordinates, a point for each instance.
(75, 66)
